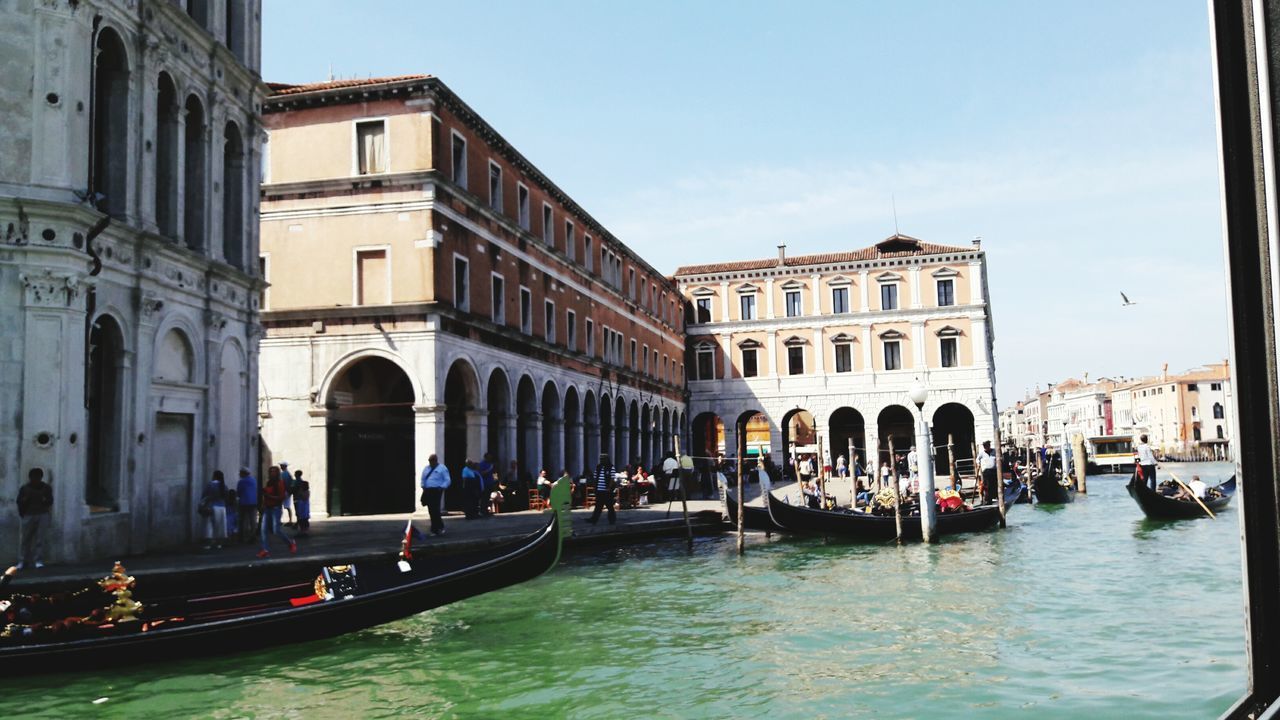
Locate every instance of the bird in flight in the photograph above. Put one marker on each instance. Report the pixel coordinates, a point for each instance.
(1127, 301)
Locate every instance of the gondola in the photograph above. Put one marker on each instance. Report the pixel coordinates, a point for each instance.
(342, 599)
(867, 526)
(1049, 489)
(1163, 507)
(754, 517)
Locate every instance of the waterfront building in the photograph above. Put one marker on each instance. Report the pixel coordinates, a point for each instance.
(1013, 426)
(825, 348)
(1184, 415)
(127, 280)
(432, 291)
(1078, 407)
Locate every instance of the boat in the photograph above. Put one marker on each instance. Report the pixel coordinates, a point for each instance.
(1110, 454)
(754, 517)
(1163, 507)
(868, 526)
(339, 600)
(1051, 487)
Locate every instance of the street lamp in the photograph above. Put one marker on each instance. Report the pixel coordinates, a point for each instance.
(924, 464)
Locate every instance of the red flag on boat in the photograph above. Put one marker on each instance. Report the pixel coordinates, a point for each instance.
(406, 545)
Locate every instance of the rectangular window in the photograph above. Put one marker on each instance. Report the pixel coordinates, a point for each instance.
(844, 357)
(549, 321)
(795, 360)
(892, 355)
(548, 226)
(631, 284)
(634, 365)
(655, 362)
(950, 358)
(840, 300)
(526, 311)
(644, 355)
(748, 303)
(569, 240)
(371, 147)
(587, 257)
(946, 292)
(495, 186)
(889, 296)
(461, 284)
(794, 308)
(522, 206)
(749, 367)
(591, 337)
(1215, 386)
(706, 364)
(704, 309)
(459, 161)
(371, 277)
(571, 330)
(264, 268)
(499, 300)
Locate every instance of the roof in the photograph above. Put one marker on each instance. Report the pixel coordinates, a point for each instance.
(291, 89)
(894, 246)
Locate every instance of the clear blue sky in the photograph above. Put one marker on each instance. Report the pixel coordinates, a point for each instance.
(1076, 138)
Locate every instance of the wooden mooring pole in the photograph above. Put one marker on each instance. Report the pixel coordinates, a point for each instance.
(742, 541)
(897, 493)
(684, 495)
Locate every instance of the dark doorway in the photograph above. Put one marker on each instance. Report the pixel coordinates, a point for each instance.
(370, 439)
(895, 422)
(848, 428)
(954, 420)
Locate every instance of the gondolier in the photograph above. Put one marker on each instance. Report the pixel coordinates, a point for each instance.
(604, 484)
(435, 480)
(987, 463)
(1146, 460)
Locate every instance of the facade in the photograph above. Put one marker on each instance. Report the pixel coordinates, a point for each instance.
(1013, 426)
(126, 225)
(1184, 415)
(433, 292)
(1079, 408)
(821, 350)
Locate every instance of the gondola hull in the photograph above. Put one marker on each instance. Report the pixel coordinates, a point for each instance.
(1051, 492)
(212, 625)
(754, 517)
(1161, 507)
(865, 526)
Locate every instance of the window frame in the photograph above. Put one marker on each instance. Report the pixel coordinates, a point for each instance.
(549, 321)
(495, 201)
(795, 353)
(896, 344)
(523, 215)
(950, 284)
(548, 225)
(571, 329)
(569, 240)
(955, 351)
(708, 350)
(498, 310)
(698, 309)
(743, 298)
(590, 330)
(526, 304)
(845, 346)
(465, 305)
(355, 271)
(588, 259)
(459, 175)
(890, 287)
(753, 352)
(786, 302)
(835, 292)
(355, 144)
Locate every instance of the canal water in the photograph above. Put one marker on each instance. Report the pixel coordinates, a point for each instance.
(1084, 610)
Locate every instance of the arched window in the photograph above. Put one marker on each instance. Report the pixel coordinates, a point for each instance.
(233, 197)
(175, 361)
(104, 395)
(1217, 411)
(110, 114)
(167, 114)
(193, 212)
(1195, 434)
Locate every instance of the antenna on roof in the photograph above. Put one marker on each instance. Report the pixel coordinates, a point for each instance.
(893, 198)
(330, 72)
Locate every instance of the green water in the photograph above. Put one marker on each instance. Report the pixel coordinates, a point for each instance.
(1085, 610)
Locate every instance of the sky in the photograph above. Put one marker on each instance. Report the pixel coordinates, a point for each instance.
(1077, 139)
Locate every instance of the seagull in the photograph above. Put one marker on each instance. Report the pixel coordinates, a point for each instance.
(1127, 301)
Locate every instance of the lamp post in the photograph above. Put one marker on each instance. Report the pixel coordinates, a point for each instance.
(924, 462)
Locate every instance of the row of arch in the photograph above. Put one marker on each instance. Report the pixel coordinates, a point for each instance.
(181, 156)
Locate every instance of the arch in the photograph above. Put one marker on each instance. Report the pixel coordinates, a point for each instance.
(110, 123)
(590, 431)
(754, 434)
(528, 440)
(606, 429)
(573, 432)
(324, 393)
(646, 436)
(799, 431)
(955, 420)
(105, 393)
(461, 394)
(621, 430)
(708, 436)
(175, 359)
(168, 115)
(194, 174)
(552, 431)
(501, 415)
(633, 437)
(846, 425)
(897, 422)
(369, 436)
(233, 189)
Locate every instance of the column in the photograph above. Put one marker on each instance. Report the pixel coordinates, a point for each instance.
(477, 433)
(975, 284)
(730, 435)
(533, 444)
(865, 291)
(724, 300)
(146, 185)
(819, 352)
(768, 299)
(573, 448)
(428, 435)
(867, 364)
(917, 342)
(817, 294)
(915, 287)
(772, 343)
(510, 428)
(981, 353)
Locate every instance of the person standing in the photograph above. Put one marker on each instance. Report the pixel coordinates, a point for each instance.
(842, 467)
(671, 473)
(247, 505)
(1146, 459)
(604, 483)
(913, 463)
(273, 495)
(435, 480)
(287, 505)
(213, 508)
(302, 501)
(987, 463)
(35, 499)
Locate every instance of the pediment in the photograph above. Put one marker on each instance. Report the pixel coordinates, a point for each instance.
(945, 272)
(888, 277)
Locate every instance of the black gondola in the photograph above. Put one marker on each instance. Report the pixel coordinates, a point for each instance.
(754, 517)
(868, 526)
(342, 600)
(1163, 507)
(1053, 486)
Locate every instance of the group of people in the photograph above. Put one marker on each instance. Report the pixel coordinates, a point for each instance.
(258, 508)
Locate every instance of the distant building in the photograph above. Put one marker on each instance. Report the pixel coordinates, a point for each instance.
(1013, 426)
(1079, 408)
(1184, 415)
(128, 370)
(824, 348)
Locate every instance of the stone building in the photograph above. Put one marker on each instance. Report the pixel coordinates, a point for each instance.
(433, 291)
(1185, 416)
(825, 348)
(127, 201)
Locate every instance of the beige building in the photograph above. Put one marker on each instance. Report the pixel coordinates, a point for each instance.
(1185, 415)
(825, 347)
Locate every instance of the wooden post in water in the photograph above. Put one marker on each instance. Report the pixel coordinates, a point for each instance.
(951, 460)
(978, 490)
(851, 466)
(1000, 477)
(684, 497)
(897, 493)
(1082, 462)
(742, 542)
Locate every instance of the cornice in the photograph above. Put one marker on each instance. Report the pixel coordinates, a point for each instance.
(857, 319)
(797, 271)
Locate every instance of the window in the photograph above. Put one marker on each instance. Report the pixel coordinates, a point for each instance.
(794, 308)
(372, 277)
(1195, 434)
(704, 309)
(634, 366)
(795, 360)
(844, 357)
(522, 206)
(892, 355)
(644, 354)
(495, 186)
(1218, 414)
(587, 257)
(706, 363)
(591, 337)
(460, 161)
(549, 321)
(571, 330)
(569, 241)
(950, 358)
(461, 284)
(631, 284)
(840, 300)
(371, 148)
(889, 296)
(946, 292)
(526, 311)
(748, 303)
(1194, 411)
(264, 272)
(1217, 387)
(499, 300)
(655, 362)
(749, 366)
(548, 226)
(1220, 435)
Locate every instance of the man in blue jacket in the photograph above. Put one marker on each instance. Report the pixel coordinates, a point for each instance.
(247, 499)
(435, 480)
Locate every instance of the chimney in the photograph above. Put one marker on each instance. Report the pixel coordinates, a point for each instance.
(1164, 372)
(782, 254)
(977, 242)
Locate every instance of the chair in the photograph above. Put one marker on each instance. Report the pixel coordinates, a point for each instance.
(590, 500)
(536, 502)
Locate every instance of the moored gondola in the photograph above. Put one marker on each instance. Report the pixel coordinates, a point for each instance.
(342, 599)
(869, 526)
(1162, 507)
(754, 517)
(1053, 486)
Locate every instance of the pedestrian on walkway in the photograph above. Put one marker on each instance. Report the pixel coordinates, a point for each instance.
(435, 480)
(472, 489)
(302, 501)
(604, 483)
(213, 510)
(273, 495)
(35, 499)
(287, 505)
(247, 505)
